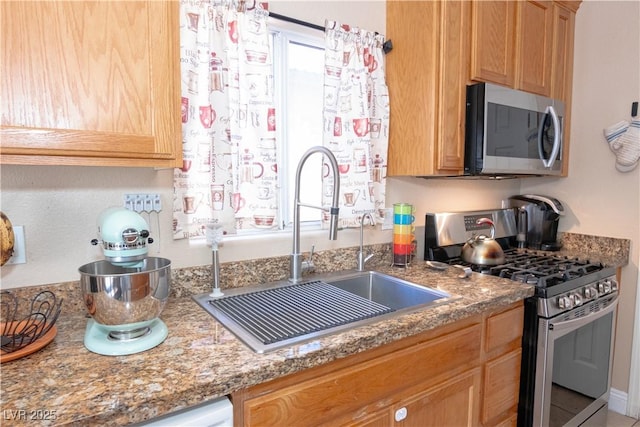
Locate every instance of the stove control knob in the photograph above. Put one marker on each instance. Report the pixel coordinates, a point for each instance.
(611, 284)
(604, 287)
(576, 299)
(614, 285)
(564, 302)
(590, 292)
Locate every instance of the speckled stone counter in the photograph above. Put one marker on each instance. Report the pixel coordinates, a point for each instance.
(607, 250)
(201, 360)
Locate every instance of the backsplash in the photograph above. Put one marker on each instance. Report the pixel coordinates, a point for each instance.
(197, 280)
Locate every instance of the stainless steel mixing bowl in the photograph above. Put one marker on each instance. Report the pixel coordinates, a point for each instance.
(120, 296)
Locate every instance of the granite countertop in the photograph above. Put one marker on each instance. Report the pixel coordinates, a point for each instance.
(200, 360)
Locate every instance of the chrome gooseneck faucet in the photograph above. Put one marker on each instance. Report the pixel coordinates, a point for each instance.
(296, 264)
(362, 259)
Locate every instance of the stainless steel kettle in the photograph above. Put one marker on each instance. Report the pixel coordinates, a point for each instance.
(483, 250)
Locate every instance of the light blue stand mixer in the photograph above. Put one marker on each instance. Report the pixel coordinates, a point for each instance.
(125, 293)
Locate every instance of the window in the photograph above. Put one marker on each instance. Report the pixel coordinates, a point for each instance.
(299, 87)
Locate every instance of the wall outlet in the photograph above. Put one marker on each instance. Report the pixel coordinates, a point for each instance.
(143, 202)
(19, 249)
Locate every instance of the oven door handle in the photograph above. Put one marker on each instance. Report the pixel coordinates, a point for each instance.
(563, 327)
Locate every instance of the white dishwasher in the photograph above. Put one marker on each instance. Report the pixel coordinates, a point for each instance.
(214, 413)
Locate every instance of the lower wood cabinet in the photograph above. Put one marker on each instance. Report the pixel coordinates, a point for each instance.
(466, 373)
(452, 403)
(501, 387)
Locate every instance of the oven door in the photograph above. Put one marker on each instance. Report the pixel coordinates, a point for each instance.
(574, 362)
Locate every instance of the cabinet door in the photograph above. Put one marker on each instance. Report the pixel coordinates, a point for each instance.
(535, 33)
(501, 387)
(427, 73)
(349, 392)
(94, 83)
(493, 42)
(454, 69)
(412, 76)
(504, 331)
(562, 71)
(562, 64)
(453, 403)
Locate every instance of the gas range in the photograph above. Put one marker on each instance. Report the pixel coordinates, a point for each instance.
(561, 282)
(569, 323)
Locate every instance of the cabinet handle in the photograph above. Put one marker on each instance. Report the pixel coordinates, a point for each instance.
(401, 414)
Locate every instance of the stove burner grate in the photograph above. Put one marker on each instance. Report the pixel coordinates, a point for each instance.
(535, 268)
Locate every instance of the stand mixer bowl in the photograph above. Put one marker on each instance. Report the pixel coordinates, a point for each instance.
(125, 301)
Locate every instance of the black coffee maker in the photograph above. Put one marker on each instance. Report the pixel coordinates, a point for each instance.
(537, 220)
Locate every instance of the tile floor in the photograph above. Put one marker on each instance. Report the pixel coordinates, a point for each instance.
(617, 420)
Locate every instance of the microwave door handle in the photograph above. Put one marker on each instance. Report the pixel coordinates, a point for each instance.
(556, 138)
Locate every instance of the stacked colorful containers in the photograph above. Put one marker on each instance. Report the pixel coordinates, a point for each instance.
(404, 239)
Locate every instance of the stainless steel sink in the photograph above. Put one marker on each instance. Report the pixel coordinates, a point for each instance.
(281, 314)
(392, 292)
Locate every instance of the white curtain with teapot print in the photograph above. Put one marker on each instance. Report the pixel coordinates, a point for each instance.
(356, 120)
(229, 171)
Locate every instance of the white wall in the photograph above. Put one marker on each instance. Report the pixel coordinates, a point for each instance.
(601, 200)
(58, 205)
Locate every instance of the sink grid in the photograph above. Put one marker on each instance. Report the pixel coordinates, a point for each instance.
(278, 314)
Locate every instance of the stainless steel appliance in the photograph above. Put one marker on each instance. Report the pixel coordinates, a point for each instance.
(538, 218)
(569, 323)
(510, 132)
(125, 293)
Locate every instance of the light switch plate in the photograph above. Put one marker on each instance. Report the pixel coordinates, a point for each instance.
(388, 219)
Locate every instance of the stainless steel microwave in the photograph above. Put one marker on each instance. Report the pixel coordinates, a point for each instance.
(510, 132)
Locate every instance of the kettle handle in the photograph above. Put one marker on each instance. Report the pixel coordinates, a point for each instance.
(481, 221)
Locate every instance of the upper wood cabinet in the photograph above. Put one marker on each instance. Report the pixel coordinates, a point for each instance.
(427, 74)
(493, 42)
(90, 83)
(526, 45)
(541, 59)
(562, 63)
(562, 66)
(534, 51)
(441, 46)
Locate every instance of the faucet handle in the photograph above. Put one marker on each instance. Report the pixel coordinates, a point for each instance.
(362, 260)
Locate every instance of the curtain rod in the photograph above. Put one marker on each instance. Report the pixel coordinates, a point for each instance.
(386, 47)
(296, 21)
